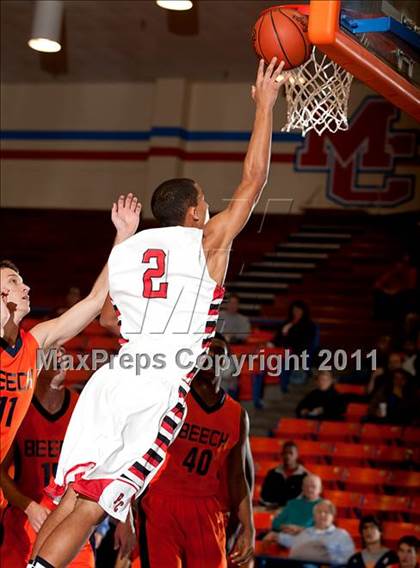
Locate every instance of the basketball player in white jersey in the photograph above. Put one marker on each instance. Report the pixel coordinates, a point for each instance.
(166, 285)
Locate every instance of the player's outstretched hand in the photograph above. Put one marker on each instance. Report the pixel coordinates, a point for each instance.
(268, 83)
(126, 215)
(243, 551)
(36, 515)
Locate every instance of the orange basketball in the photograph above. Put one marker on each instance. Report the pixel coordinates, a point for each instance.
(282, 33)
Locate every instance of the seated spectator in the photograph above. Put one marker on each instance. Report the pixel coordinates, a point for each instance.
(382, 374)
(394, 290)
(297, 514)
(234, 326)
(411, 348)
(298, 332)
(395, 401)
(408, 547)
(285, 481)
(373, 555)
(323, 542)
(230, 377)
(324, 402)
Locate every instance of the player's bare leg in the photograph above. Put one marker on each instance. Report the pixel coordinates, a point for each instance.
(66, 506)
(64, 543)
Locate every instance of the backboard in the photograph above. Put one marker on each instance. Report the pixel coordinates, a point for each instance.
(377, 41)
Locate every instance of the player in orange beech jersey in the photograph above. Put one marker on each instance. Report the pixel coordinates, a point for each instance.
(184, 516)
(18, 349)
(35, 455)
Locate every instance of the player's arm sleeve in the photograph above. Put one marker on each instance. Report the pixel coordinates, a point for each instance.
(108, 318)
(228, 223)
(9, 487)
(239, 488)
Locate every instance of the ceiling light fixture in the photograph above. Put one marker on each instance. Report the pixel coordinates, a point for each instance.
(46, 28)
(175, 4)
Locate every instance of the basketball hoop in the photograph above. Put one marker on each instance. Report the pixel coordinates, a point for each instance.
(317, 91)
(317, 95)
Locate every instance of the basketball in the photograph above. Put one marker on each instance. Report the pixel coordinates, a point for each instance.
(282, 33)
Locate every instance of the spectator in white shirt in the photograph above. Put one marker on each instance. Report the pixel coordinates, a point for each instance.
(323, 542)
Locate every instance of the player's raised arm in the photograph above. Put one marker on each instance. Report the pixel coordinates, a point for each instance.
(224, 227)
(125, 216)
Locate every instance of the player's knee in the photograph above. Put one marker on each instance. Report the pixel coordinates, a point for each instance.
(91, 511)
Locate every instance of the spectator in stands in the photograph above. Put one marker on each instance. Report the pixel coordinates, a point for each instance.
(323, 542)
(233, 325)
(408, 547)
(285, 481)
(298, 332)
(324, 402)
(411, 348)
(394, 290)
(230, 379)
(382, 374)
(395, 402)
(297, 514)
(374, 554)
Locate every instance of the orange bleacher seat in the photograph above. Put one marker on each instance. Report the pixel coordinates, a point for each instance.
(257, 492)
(365, 479)
(330, 475)
(78, 343)
(263, 520)
(415, 509)
(394, 531)
(262, 467)
(411, 436)
(345, 501)
(352, 527)
(351, 454)
(407, 482)
(265, 448)
(383, 504)
(345, 388)
(391, 455)
(243, 348)
(356, 411)
(103, 342)
(77, 377)
(338, 431)
(260, 336)
(296, 428)
(95, 328)
(380, 433)
(245, 385)
(314, 451)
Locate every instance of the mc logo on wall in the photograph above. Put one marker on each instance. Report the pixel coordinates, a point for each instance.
(371, 145)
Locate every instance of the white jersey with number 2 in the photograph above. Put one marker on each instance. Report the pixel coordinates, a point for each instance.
(131, 410)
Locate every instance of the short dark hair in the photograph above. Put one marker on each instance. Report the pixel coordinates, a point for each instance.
(171, 200)
(289, 444)
(409, 540)
(370, 519)
(9, 264)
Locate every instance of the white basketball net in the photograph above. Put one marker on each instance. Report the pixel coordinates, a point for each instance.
(317, 95)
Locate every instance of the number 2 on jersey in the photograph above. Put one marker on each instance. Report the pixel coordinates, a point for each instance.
(160, 257)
